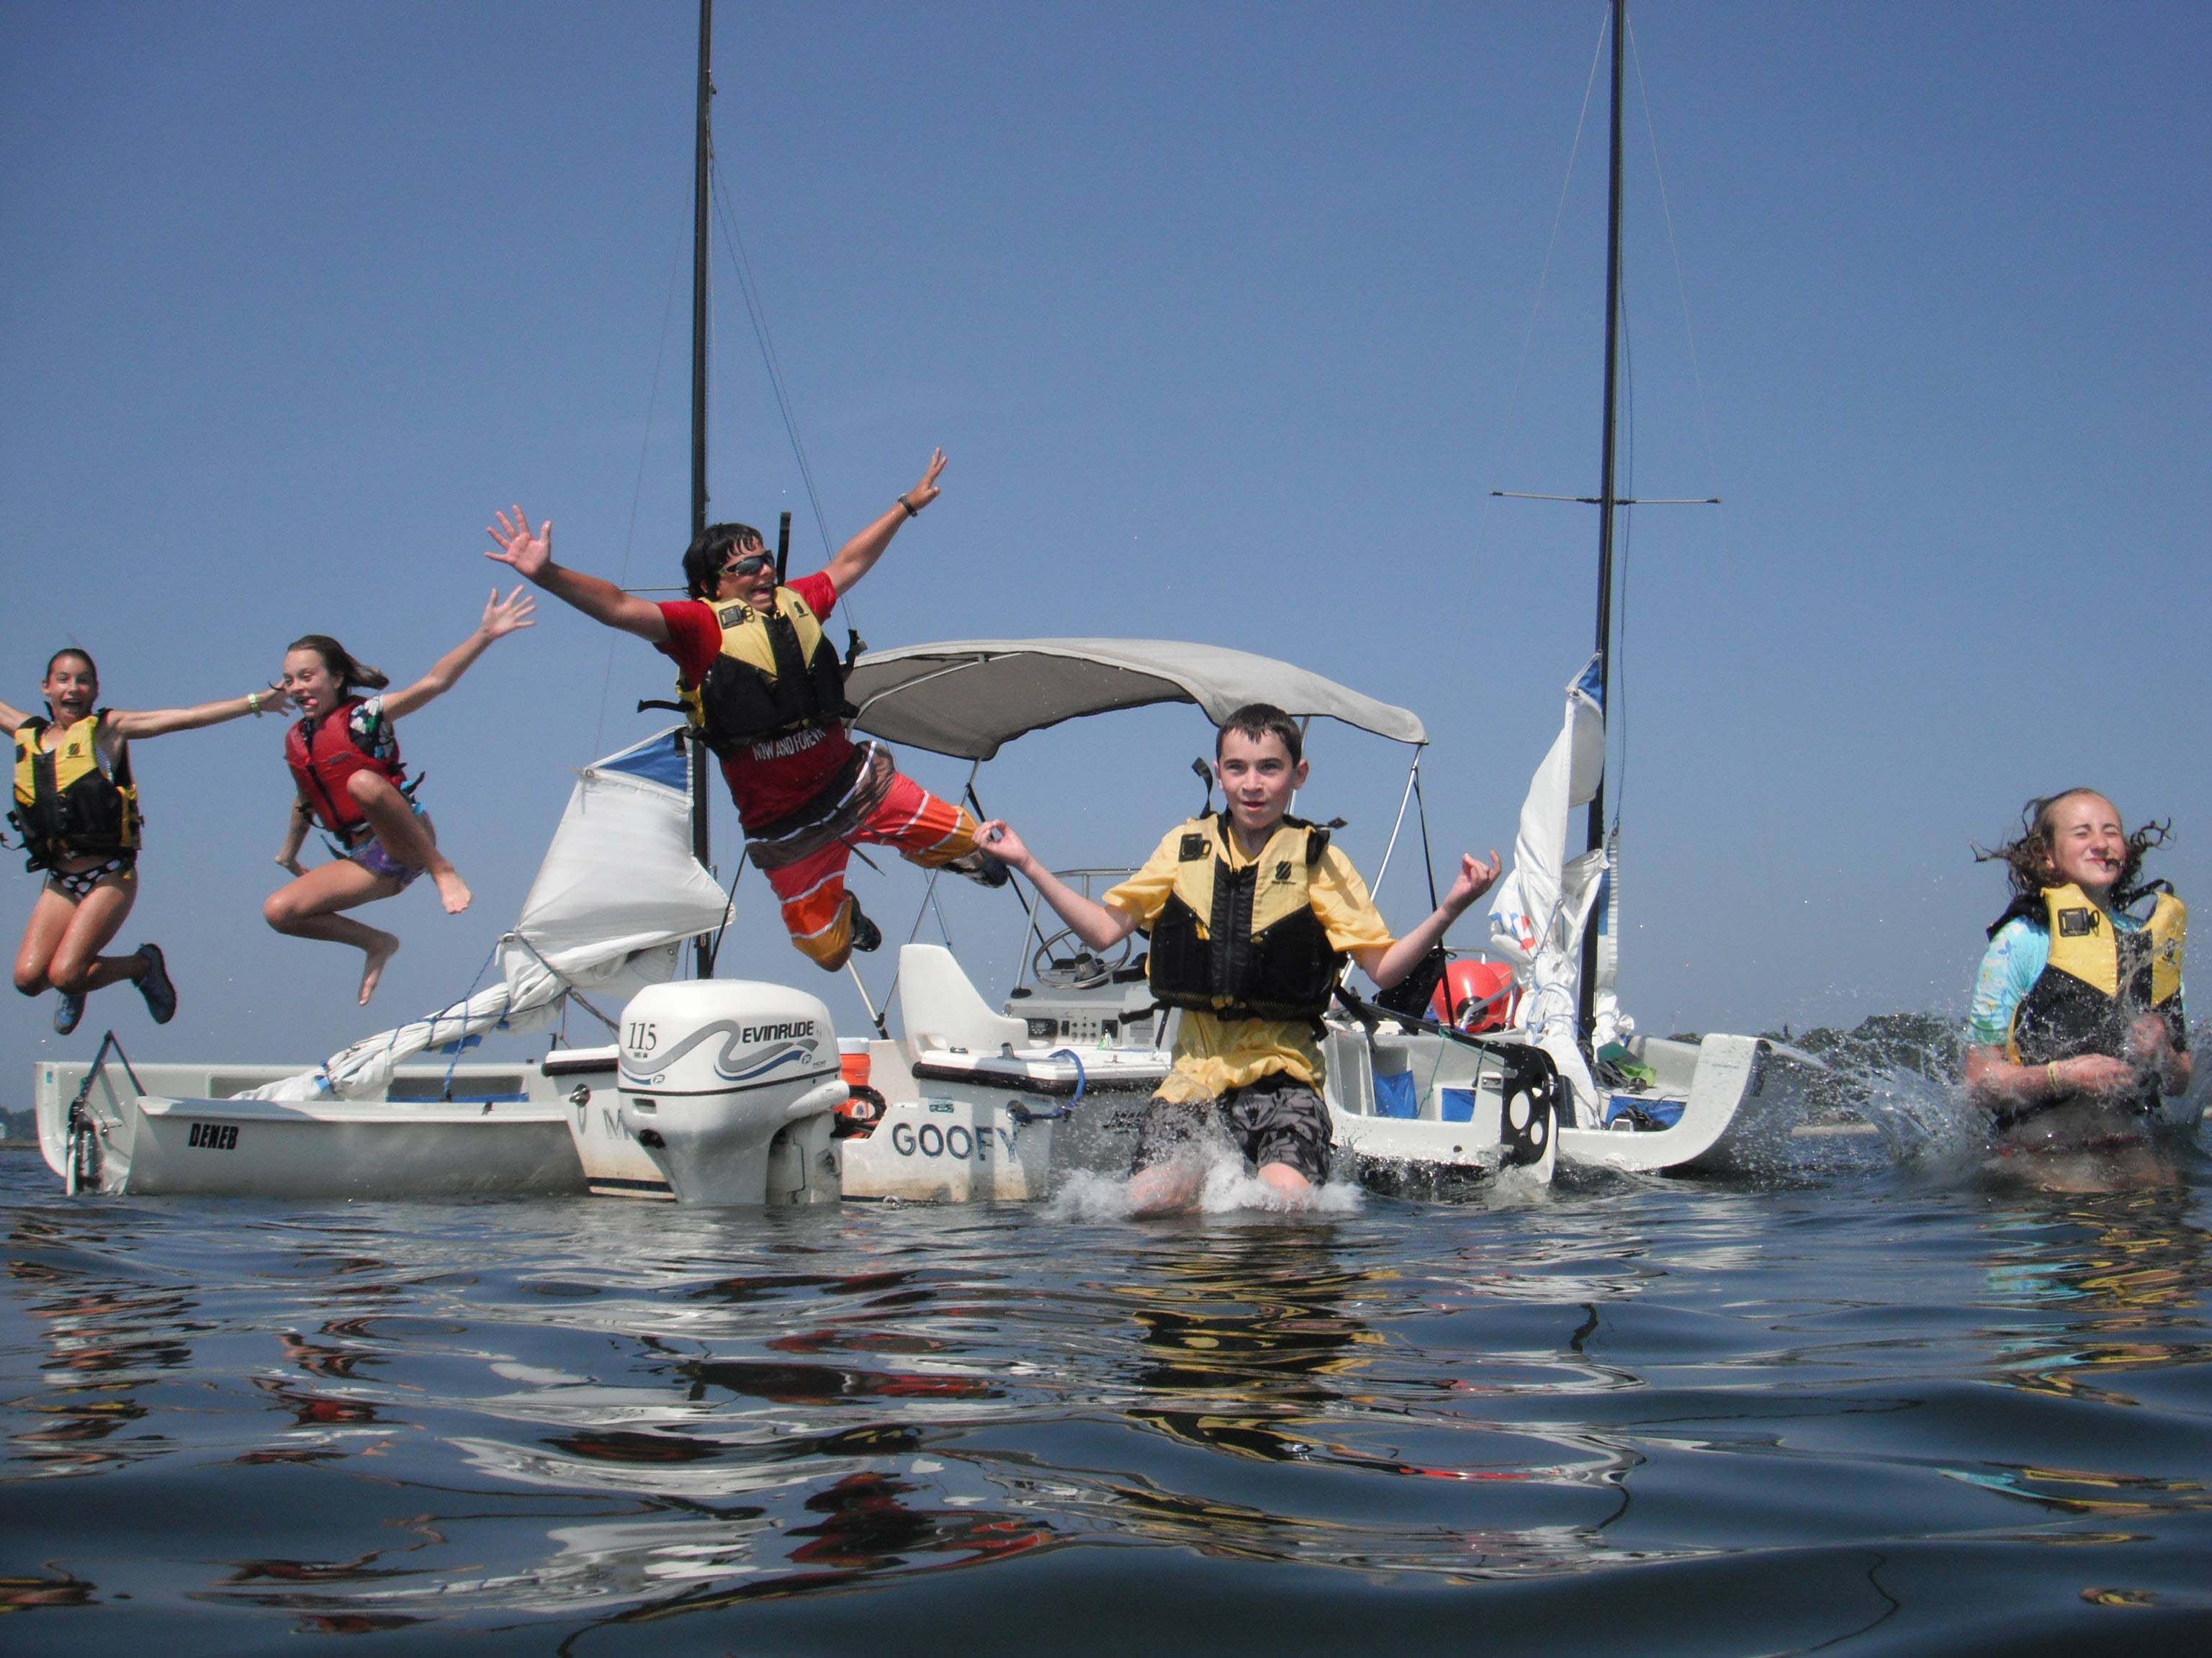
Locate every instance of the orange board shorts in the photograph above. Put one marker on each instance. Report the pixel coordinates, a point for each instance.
(816, 912)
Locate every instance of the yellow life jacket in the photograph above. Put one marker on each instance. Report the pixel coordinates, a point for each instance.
(1244, 943)
(2099, 979)
(777, 673)
(67, 803)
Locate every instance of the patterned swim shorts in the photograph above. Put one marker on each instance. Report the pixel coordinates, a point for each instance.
(1276, 1120)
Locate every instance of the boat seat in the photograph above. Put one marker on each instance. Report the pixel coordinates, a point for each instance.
(939, 1010)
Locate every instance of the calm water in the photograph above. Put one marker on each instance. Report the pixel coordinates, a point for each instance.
(1864, 1411)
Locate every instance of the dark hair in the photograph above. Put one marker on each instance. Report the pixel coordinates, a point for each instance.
(704, 557)
(351, 674)
(84, 657)
(2027, 857)
(1259, 720)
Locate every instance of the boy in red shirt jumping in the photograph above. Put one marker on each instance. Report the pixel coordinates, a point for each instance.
(762, 683)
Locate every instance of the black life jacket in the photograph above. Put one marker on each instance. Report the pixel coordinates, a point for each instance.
(1244, 943)
(68, 802)
(777, 674)
(2099, 980)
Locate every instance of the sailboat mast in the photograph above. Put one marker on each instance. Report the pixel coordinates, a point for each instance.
(1587, 1007)
(703, 157)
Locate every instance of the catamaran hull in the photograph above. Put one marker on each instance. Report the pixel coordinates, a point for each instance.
(1420, 1113)
(1741, 1096)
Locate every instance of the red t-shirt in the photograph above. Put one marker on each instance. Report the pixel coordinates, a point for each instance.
(773, 779)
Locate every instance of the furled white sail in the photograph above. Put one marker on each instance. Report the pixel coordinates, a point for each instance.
(617, 893)
(1541, 907)
(1608, 1024)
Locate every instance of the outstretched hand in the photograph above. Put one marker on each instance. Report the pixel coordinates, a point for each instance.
(925, 491)
(1475, 878)
(502, 616)
(528, 551)
(1003, 844)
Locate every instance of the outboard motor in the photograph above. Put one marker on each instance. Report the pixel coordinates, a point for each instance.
(731, 1088)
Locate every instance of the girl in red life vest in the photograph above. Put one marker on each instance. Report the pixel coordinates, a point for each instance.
(77, 811)
(345, 759)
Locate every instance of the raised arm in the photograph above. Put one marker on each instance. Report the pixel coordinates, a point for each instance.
(501, 616)
(1387, 963)
(10, 718)
(130, 723)
(858, 556)
(529, 554)
(1100, 926)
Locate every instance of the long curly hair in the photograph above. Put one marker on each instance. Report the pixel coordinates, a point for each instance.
(2029, 857)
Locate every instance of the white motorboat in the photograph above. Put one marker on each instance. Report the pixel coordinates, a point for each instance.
(617, 894)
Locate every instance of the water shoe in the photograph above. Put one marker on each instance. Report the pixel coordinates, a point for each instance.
(866, 935)
(67, 1011)
(981, 867)
(154, 985)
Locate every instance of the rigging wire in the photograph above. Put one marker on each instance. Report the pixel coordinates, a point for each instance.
(1543, 279)
(1618, 653)
(1682, 285)
(636, 497)
(756, 309)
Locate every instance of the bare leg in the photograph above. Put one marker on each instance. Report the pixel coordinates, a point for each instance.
(408, 839)
(306, 908)
(1295, 1190)
(62, 941)
(51, 914)
(1165, 1188)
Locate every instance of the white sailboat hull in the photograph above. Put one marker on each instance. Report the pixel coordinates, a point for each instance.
(1419, 1115)
(162, 1143)
(1741, 1098)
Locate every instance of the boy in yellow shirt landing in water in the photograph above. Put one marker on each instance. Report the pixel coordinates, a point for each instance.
(1252, 913)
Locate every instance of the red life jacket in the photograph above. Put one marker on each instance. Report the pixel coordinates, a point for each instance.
(323, 753)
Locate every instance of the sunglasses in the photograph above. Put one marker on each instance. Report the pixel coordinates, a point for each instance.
(748, 564)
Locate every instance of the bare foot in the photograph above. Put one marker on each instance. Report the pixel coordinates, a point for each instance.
(452, 891)
(374, 958)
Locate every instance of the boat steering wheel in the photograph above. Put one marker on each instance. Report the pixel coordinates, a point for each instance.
(1085, 969)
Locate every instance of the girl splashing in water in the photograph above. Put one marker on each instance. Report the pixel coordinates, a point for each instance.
(344, 756)
(2077, 1027)
(77, 811)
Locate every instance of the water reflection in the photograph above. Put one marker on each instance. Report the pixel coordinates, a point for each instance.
(2110, 1285)
(101, 1343)
(2112, 1280)
(1251, 1345)
(1246, 1343)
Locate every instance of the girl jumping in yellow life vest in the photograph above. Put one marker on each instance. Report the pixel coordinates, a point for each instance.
(77, 811)
(2077, 1027)
(344, 753)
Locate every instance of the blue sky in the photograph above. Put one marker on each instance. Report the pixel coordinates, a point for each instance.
(1221, 314)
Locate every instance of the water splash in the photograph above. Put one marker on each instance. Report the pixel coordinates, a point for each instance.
(1923, 1120)
(1229, 1188)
